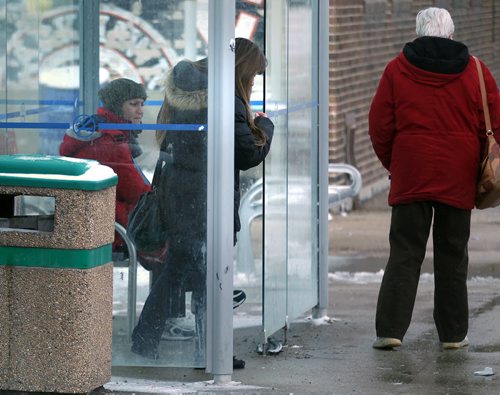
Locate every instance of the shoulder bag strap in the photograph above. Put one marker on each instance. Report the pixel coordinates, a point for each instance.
(486, 109)
(157, 173)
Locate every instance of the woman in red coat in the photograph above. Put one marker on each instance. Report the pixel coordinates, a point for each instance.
(427, 127)
(122, 102)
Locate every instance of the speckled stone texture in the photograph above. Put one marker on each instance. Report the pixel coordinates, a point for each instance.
(82, 219)
(56, 323)
(60, 325)
(4, 325)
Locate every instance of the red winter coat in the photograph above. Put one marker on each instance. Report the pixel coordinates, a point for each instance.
(111, 148)
(425, 129)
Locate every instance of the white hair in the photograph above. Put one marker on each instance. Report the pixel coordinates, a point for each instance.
(434, 22)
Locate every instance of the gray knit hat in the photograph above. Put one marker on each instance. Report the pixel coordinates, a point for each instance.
(118, 91)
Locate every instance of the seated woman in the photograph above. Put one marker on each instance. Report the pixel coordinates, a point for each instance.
(122, 102)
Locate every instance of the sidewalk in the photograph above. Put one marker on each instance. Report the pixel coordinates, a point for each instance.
(336, 357)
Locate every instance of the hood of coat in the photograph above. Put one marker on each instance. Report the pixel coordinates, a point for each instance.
(186, 85)
(433, 60)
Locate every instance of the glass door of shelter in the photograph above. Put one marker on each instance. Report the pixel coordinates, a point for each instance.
(290, 238)
(250, 24)
(302, 268)
(290, 257)
(275, 194)
(277, 252)
(164, 46)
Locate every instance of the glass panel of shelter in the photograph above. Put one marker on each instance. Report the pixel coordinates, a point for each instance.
(40, 93)
(183, 338)
(302, 262)
(163, 45)
(290, 249)
(275, 197)
(143, 41)
(250, 23)
(183, 27)
(39, 81)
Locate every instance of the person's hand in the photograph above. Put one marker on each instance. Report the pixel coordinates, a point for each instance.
(261, 114)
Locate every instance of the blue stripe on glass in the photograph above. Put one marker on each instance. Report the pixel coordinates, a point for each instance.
(103, 126)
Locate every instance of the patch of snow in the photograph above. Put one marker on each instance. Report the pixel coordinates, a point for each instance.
(171, 387)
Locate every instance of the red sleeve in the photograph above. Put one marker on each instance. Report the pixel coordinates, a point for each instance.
(381, 120)
(131, 181)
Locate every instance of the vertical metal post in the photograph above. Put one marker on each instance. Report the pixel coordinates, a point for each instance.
(323, 97)
(88, 29)
(220, 190)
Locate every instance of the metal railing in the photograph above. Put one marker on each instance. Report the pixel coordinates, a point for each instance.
(131, 263)
(339, 193)
(251, 208)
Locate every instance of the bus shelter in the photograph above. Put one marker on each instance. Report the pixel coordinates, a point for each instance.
(56, 56)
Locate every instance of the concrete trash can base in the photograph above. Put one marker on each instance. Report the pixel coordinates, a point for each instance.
(56, 275)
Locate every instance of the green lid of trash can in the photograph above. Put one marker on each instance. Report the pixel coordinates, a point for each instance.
(45, 171)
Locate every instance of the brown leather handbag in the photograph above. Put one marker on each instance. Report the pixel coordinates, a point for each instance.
(488, 183)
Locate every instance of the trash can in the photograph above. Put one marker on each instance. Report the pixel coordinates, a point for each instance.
(57, 220)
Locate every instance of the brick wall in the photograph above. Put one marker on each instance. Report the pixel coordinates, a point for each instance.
(364, 36)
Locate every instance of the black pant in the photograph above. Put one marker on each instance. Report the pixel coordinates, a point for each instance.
(410, 227)
(184, 270)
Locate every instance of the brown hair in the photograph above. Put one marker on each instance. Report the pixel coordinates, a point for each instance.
(162, 117)
(249, 62)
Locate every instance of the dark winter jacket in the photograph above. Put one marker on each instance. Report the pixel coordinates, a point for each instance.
(184, 179)
(113, 148)
(184, 182)
(246, 153)
(426, 122)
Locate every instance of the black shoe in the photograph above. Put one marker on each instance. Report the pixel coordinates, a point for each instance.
(145, 351)
(238, 363)
(238, 298)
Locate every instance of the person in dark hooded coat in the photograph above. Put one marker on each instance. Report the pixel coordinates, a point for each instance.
(183, 183)
(122, 103)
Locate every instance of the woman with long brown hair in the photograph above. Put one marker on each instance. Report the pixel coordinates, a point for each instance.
(253, 135)
(183, 185)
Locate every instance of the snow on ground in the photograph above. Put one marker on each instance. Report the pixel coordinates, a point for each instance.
(126, 384)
